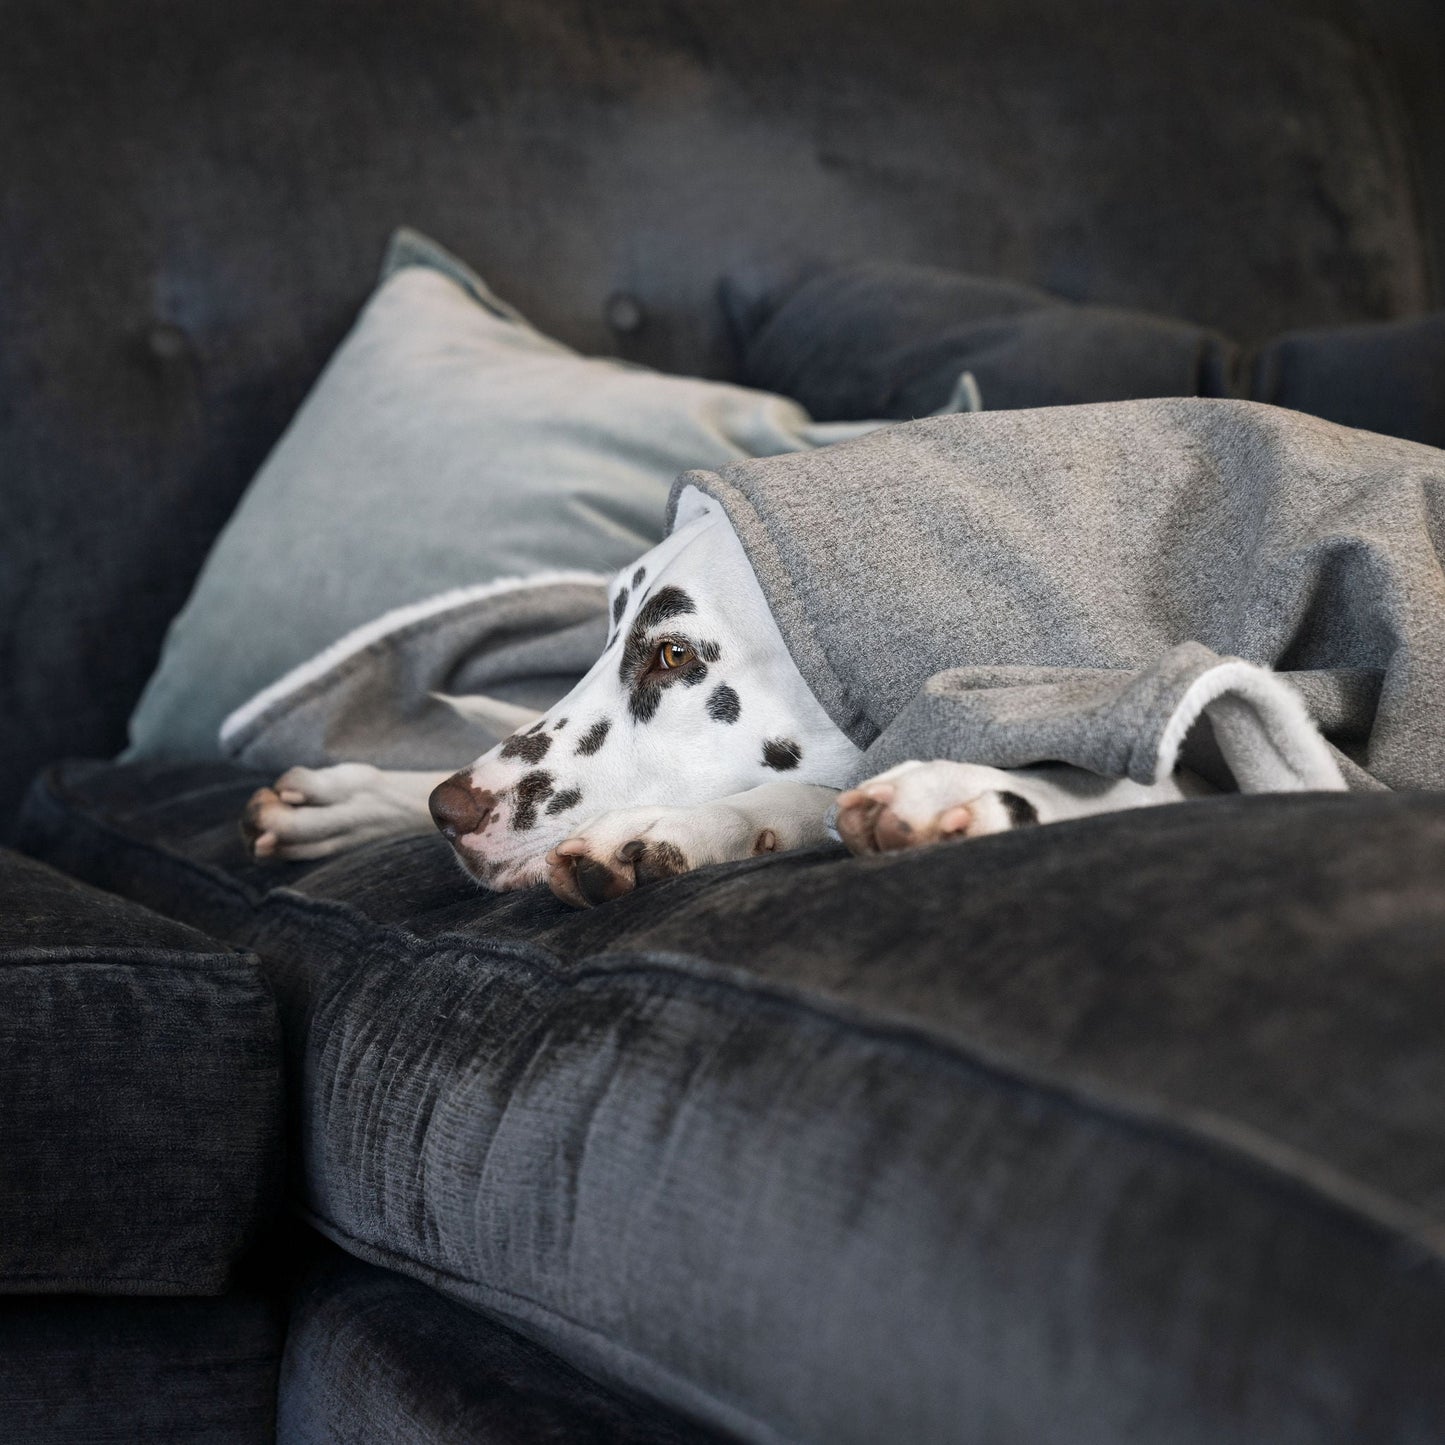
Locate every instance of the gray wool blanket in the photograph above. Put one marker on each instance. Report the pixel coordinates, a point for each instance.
(1070, 584)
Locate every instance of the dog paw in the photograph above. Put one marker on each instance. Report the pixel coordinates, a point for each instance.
(621, 851)
(915, 804)
(314, 812)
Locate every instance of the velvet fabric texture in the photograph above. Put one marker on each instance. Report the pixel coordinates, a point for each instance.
(196, 196)
(894, 335)
(123, 1372)
(1127, 1129)
(372, 1355)
(890, 340)
(140, 1095)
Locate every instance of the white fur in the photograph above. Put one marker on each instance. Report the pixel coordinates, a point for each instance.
(315, 812)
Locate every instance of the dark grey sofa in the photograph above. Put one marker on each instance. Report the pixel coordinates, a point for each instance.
(1128, 1129)
(1125, 1130)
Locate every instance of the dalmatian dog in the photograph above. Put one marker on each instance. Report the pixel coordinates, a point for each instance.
(692, 740)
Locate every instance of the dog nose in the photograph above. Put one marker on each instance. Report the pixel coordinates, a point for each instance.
(457, 808)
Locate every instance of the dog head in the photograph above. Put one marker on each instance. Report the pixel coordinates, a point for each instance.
(694, 697)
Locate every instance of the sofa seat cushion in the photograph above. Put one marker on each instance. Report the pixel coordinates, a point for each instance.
(373, 1355)
(1126, 1128)
(125, 1371)
(140, 1072)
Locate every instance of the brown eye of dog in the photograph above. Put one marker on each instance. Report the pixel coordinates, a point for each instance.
(674, 654)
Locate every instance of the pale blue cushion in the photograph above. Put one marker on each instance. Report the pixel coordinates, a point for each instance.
(447, 443)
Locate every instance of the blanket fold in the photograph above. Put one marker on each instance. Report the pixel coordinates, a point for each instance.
(402, 691)
(1120, 723)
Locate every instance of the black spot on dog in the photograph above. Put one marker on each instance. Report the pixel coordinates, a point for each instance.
(709, 651)
(594, 737)
(723, 704)
(652, 862)
(668, 602)
(644, 701)
(1021, 812)
(533, 789)
(559, 725)
(638, 576)
(531, 746)
(567, 798)
(782, 754)
(692, 673)
(619, 605)
(538, 725)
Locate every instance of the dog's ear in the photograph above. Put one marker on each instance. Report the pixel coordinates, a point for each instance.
(491, 712)
(691, 504)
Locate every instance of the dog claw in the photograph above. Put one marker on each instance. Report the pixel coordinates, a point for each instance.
(253, 830)
(857, 814)
(584, 881)
(955, 820)
(579, 879)
(598, 883)
(890, 832)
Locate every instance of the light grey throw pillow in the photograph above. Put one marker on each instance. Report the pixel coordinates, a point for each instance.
(448, 443)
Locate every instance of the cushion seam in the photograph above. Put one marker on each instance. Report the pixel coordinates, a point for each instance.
(96, 1283)
(229, 963)
(416, 1269)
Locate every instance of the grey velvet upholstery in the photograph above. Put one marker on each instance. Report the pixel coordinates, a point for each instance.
(140, 1371)
(197, 196)
(373, 1356)
(897, 337)
(1125, 1129)
(887, 339)
(141, 1132)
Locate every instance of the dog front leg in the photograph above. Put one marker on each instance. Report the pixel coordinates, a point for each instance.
(929, 802)
(620, 851)
(315, 812)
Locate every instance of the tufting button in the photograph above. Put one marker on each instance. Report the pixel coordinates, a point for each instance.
(624, 313)
(167, 342)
